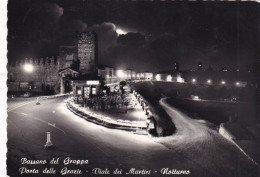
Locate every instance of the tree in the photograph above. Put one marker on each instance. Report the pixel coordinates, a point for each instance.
(126, 103)
(122, 83)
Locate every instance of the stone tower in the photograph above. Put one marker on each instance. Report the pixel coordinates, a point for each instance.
(67, 54)
(86, 49)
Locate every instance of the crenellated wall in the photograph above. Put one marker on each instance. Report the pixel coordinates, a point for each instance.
(81, 57)
(43, 78)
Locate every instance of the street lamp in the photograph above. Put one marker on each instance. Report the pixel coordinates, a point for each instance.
(209, 81)
(237, 83)
(28, 68)
(193, 80)
(120, 73)
(223, 82)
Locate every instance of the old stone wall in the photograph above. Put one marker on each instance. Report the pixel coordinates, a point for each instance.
(45, 75)
(43, 78)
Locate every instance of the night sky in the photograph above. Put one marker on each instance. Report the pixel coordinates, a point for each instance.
(139, 35)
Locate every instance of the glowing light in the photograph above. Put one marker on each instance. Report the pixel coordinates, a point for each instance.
(193, 80)
(237, 83)
(120, 31)
(169, 78)
(209, 81)
(133, 75)
(120, 73)
(196, 97)
(28, 68)
(92, 82)
(223, 82)
(180, 79)
(158, 77)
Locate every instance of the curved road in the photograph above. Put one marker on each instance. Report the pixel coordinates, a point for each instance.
(195, 146)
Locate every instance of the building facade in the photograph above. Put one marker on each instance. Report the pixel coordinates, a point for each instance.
(43, 77)
(53, 75)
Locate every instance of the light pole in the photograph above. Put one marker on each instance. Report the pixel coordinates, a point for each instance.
(28, 68)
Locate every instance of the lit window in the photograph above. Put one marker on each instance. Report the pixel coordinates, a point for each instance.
(158, 77)
(94, 91)
(169, 78)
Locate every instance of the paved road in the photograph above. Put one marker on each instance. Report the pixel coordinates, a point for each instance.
(14, 103)
(195, 147)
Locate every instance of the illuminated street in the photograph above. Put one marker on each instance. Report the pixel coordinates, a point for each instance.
(132, 88)
(195, 147)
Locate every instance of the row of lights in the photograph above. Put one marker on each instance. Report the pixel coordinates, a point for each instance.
(29, 68)
(121, 74)
(145, 107)
(209, 82)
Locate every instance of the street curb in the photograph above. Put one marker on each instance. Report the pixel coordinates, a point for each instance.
(52, 96)
(225, 133)
(229, 136)
(98, 121)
